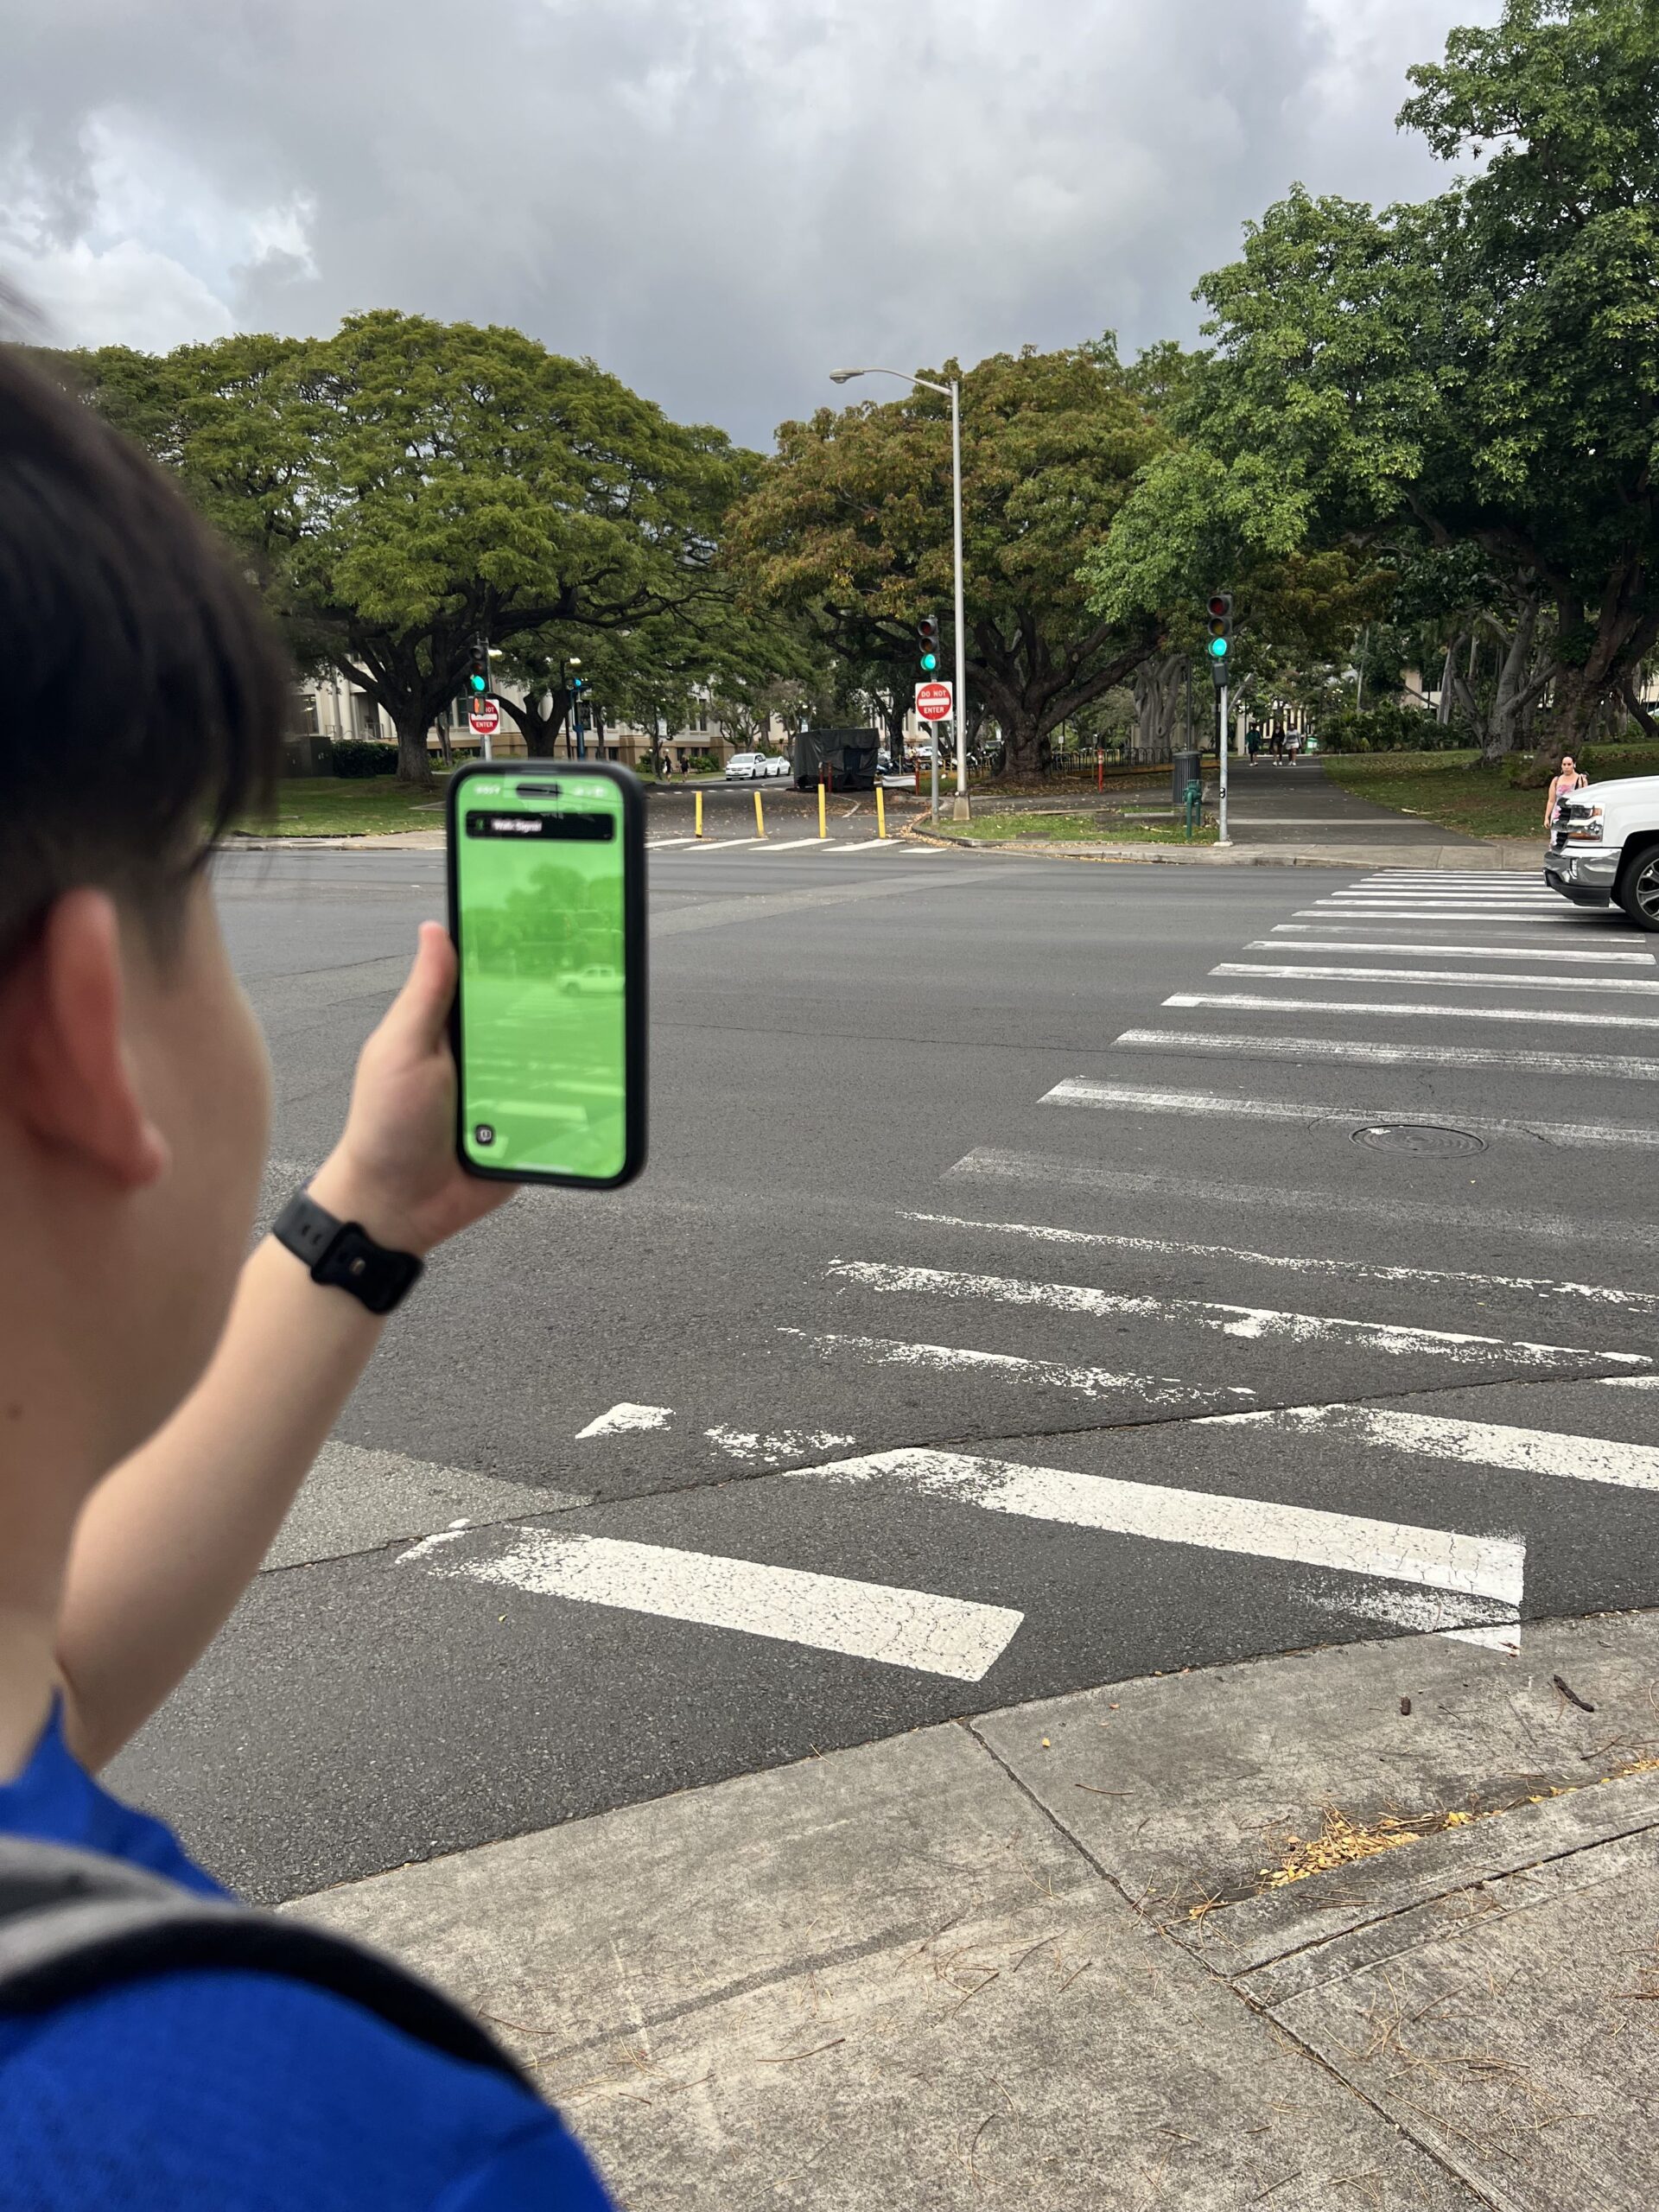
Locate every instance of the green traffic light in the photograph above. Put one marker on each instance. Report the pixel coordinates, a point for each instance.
(930, 660)
(477, 682)
(1220, 648)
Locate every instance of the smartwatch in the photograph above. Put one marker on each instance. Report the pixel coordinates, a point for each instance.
(343, 1255)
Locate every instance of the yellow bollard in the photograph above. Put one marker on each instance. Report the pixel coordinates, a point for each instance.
(823, 828)
(760, 818)
(881, 811)
(699, 798)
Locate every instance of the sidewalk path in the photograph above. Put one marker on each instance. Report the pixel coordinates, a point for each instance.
(1049, 1959)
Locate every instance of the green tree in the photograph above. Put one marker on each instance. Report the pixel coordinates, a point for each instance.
(1479, 371)
(849, 526)
(406, 486)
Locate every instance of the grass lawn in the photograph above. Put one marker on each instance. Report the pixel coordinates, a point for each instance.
(1074, 829)
(1453, 790)
(337, 806)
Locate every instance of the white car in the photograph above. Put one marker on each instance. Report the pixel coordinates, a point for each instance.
(744, 768)
(1604, 847)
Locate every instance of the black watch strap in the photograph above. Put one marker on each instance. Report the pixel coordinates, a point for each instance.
(343, 1255)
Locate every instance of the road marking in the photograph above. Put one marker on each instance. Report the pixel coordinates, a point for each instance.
(658, 844)
(1254, 1324)
(950, 1359)
(1576, 918)
(1428, 1056)
(1084, 1090)
(1452, 979)
(723, 844)
(625, 1418)
(756, 1450)
(1450, 951)
(793, 844)
(827, 1613)
(1556, 1018)
(1472, 1443)
(1635, 1301)
(1052, 1171)
(1492, 1568)
(1405, 896)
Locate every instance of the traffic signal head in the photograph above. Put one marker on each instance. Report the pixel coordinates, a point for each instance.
(478, 672)
(927, 644)
(575, 683)
(1221, 624)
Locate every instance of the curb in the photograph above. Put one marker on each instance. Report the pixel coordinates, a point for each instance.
(1174, 855)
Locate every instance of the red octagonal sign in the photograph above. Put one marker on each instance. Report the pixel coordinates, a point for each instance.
(933, 701)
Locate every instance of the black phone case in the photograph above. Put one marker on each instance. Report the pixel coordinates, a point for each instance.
(636, 1056)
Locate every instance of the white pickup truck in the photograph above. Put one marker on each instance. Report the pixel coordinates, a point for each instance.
(1604, 847)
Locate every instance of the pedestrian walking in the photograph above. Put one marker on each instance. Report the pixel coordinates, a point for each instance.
(1253, 743)
(1279, 748)
(160, 2049)
(1564, 782)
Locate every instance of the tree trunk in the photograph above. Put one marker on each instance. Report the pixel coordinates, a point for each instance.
(414, 761)
(540, 734)
(1157, 685)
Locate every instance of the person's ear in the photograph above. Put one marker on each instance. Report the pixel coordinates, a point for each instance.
(62, 1012)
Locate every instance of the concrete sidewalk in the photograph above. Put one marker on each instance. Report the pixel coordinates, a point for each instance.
(1372, 1926)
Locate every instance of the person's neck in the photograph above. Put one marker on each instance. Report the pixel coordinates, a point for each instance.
(28, 1682)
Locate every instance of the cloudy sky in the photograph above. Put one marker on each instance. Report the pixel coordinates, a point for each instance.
(719, 199)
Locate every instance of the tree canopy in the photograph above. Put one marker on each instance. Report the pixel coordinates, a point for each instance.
(850, 526)
(405, 486)
(1479, 372)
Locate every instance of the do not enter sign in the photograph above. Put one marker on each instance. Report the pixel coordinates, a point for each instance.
(934, 701)
(485, 719)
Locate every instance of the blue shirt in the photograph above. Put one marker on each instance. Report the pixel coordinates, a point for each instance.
(231, 2092)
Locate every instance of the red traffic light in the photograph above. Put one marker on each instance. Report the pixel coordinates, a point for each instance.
(1220, 605)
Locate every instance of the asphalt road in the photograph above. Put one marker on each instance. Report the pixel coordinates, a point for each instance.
(986, 1196)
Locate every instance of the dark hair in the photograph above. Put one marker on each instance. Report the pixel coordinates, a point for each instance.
(150, 694)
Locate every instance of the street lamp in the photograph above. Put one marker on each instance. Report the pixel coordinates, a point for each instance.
(952, 391)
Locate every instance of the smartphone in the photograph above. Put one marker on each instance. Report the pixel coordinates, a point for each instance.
(547, 908)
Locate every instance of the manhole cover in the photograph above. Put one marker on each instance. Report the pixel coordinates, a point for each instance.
(1421, 1139)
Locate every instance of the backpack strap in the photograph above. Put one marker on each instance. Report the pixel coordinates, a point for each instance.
(74, 1921)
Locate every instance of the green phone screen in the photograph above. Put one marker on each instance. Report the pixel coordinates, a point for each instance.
(539, 891)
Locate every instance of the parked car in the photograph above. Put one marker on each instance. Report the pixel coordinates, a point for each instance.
(595, 980)
(744, 768)
(1604, 847)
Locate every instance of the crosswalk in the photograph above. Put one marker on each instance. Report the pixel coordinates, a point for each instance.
(1373, 1441)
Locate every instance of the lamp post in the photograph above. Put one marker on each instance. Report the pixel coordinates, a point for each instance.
(951, 391)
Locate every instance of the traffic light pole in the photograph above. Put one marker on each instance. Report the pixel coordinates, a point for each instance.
(1222, 838)
(959, 811)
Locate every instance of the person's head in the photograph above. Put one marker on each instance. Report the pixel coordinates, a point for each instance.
(1567, 768)
(147, 700)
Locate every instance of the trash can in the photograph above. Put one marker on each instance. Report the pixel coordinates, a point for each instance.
(1186, 765)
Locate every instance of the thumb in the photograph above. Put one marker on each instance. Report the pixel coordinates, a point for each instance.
(416, 1016)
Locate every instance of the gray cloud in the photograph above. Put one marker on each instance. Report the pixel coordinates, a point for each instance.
(719, 199)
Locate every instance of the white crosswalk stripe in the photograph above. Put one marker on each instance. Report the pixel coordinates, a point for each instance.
(1472, 1443)
(1580, 922)
(828, 1612)
(1491, 1567)
(1635, 1301)
(1084, 1090)
(1613, 1066)
(1451, 979)
(955, 1359)
(1458, 951)
(1254, 1324)
(1555, 1018)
